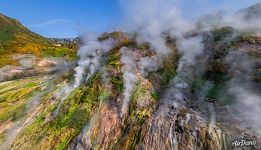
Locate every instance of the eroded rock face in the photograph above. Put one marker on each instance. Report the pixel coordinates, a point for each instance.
(174, 128)
(103, 130)
(179, 128)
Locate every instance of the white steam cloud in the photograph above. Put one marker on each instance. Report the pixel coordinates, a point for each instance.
(90, 59)
(189, 49)
(148, 64)
(248, 106)
(129, 69)
(247, 19)
(151, 19)
(243, 67)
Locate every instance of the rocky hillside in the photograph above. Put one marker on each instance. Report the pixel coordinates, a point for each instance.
(128, 104)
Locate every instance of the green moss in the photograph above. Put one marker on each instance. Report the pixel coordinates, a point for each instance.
(117, 82)
(168, 75)
(136, 139)
(138, 92)
(223, 33)
(64, 142)
(155, 95)
(131, 133)
(168, 70)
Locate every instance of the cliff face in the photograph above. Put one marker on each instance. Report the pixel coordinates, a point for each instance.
(134, 98)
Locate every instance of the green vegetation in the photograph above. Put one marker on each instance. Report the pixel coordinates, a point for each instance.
(73, 116)
(138, 93)
(113, 66)
(14, 97)
(65, 52)
(117, 82)
(165, 74)
(222, 34)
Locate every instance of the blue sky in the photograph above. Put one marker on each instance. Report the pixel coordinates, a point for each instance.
(66, 18)
(62, 18)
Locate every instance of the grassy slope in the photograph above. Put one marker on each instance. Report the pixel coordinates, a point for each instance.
(17, 39)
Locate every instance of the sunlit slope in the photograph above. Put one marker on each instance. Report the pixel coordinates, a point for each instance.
(17, 39)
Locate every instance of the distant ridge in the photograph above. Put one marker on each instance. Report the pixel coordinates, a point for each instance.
(252, 12)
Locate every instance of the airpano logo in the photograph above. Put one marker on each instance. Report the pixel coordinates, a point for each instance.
(240, 143)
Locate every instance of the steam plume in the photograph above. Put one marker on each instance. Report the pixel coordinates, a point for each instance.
(90, 59)
(129, 77)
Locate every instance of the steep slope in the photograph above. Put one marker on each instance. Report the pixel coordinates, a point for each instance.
(17, 39)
